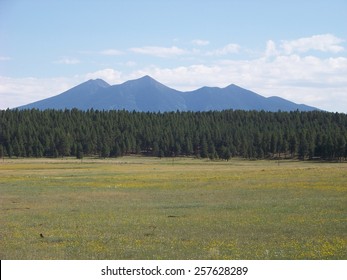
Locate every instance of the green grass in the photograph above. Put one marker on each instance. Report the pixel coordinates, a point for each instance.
(149, 208)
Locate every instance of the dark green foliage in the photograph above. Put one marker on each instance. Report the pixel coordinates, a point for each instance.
(79, 151)
(1, 151)
(214, 134)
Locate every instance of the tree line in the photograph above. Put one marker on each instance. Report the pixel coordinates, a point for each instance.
(213, 134)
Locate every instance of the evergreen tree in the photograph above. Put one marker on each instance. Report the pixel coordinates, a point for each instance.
(225, 153)
(303, 146)
(204, 148)
(16, 148)
(116, 151)
(156, 150)
(9, 150)
(341, 147)
(292, 145)
(1, 151)
(79, 151)
(105, 151)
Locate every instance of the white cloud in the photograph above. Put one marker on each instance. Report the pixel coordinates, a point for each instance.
(111, 52)
(324, 43)
(199, 42)
(228, 49)
(15, 92)
(271, 49)
(67, 61)
(159, 51)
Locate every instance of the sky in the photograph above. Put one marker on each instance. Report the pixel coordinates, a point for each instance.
(293, 49)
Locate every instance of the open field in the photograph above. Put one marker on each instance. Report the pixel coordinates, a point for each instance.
(150, 208)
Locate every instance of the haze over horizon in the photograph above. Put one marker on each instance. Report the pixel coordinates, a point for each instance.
(295, 50)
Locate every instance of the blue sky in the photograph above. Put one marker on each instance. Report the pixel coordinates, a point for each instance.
(293, 49)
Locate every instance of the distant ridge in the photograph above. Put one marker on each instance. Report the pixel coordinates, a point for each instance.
(148, 95)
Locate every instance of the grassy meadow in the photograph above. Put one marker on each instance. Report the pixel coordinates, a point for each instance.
(182, 208)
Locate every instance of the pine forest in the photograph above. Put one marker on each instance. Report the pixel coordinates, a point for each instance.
(313, 135)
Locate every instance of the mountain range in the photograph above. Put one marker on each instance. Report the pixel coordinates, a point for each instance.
(148, 95)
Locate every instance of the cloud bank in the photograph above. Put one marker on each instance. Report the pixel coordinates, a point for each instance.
(324, 43)
(292, 69)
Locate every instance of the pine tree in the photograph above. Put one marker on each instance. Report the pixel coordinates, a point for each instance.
(79, 151)
(156, 149)
(225, 153)
(1, 152)
(16, 148)
(292, 145)
(341, 147)
(303, 146)
(204, 148)
(105, 150)
(116, 151)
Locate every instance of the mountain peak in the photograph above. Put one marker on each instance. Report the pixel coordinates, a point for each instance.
(234, 87)
(145, 83)
(146, 94)
(98, 82)
(145, 79)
